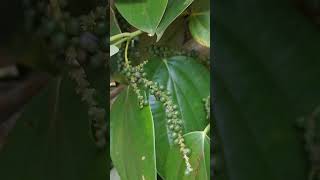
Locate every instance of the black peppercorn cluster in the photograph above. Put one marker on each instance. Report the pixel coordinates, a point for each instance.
(136, 77)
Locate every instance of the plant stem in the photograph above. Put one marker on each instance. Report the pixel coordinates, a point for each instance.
(136, 33)
(126, 51)
(125, 35)
(207, 129)
(119, 42)
(119, 36)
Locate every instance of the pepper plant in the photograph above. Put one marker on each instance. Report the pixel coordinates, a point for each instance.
(61, 133)
(160, 89)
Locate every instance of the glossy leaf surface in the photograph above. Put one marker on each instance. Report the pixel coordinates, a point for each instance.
(199, 22)
(173, 10)
(142, 14)
(132, 143)
(188, 82)
(200, 159)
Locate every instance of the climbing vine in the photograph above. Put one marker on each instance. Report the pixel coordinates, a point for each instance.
(166, 88)
(62, 132)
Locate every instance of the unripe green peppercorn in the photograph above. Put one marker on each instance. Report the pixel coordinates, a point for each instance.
(174, 135)
(174, 107)
(176, 141)
(187, 151)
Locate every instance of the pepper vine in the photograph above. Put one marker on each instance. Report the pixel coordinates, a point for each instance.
(136, 78)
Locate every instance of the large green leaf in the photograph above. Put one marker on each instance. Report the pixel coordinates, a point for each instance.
(132, 138)
(268, 76)
(173, 10)
(51, 140)
(188, 82)
(199, 159)
(199, 22)
(142, 14)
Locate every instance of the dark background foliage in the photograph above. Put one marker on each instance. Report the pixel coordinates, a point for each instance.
(266, 77)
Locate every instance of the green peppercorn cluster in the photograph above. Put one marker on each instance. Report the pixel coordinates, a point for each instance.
(165, 52)
(60, 30)
(136, 77)
(73, 41)
(96, 114)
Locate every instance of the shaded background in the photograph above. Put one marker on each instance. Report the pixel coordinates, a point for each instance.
(266, 76)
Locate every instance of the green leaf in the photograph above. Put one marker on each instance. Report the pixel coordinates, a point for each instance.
(114, 26)
(199, 143)
(173, 10)
(199, 23)
(51, 140)
(142, 14)
(267, 76)
(132, 138)
(113, 50)
(188, 82)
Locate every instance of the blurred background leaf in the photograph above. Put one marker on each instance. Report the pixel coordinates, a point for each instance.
(51, 139)
(266, 77)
